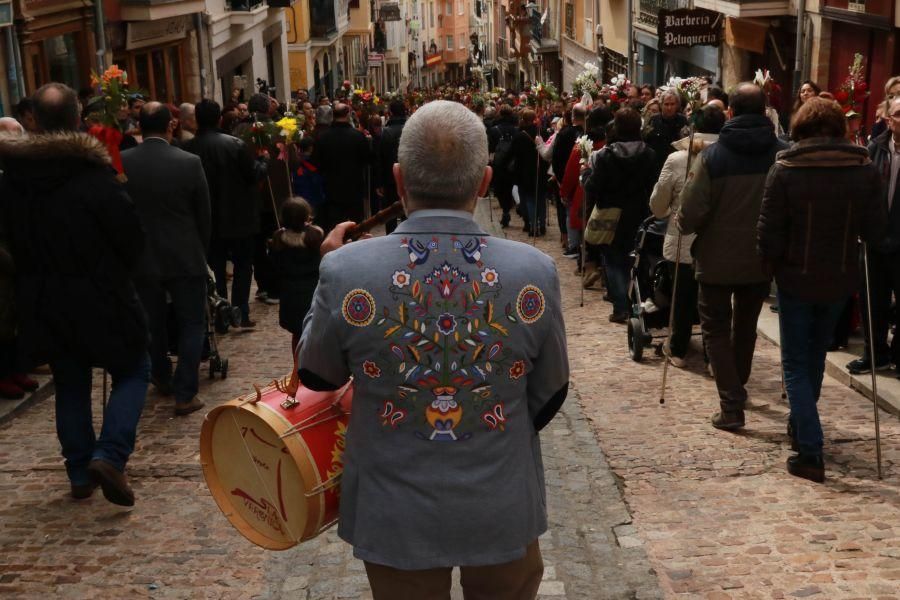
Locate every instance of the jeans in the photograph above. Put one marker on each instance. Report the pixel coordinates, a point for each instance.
(74, 423)
(685, 308)
(728, 317)
(535, 207)
(240, 251)
(806, 331)
(189, 303)
(616, 262)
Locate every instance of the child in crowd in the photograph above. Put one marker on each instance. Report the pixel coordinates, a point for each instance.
(294, 251)
(307, 181)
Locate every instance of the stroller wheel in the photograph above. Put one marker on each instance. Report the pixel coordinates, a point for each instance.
(635, 339)
(215, 364)
(224, 369)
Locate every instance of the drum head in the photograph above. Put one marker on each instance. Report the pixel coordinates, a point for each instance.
(253, 477)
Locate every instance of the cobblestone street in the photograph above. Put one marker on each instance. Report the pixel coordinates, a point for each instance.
(645, 501)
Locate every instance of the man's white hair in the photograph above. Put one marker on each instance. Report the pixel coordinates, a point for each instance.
(186, 108)
(442, 155)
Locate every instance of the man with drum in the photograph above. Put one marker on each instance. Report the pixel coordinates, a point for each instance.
(456, 344)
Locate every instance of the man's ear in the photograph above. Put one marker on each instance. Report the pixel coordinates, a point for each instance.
(485, 182)
(401, 187)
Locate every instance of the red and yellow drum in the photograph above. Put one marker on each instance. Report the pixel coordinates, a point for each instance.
(273, 462)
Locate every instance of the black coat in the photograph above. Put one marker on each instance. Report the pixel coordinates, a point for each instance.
(343, 156)
(169, 190)
(659, 135)
(880, 152)
(75, 238)
(820, 197)
(388, 146)
(298, 266)
(562, 148)
(530, 171)
(232, 174)
(501, 179)
(622, 176)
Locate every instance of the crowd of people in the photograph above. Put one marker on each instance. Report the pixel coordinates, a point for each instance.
(100, 261)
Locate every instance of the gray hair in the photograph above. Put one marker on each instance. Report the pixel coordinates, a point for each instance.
(672, 93)
(10, 126)
(186, 109)
(442, 155)
(324, 115)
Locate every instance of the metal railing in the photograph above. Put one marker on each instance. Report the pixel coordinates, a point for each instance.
(243, 5)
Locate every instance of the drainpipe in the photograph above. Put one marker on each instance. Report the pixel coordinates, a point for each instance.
(799, 50)
(100, 35)
(198, 27)
(630, 42)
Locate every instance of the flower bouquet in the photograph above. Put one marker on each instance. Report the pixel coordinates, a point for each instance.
(854, 90)
(691, 90)
(588, 81)
(585, 148)
(544, 91)
(104, 111)
(764, 80)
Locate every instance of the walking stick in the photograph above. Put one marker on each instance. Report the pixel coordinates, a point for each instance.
(534, 217)
(583, 258)
(872, 358)
(105, 378)
(783, 389)
(668, 344)
(274, 205)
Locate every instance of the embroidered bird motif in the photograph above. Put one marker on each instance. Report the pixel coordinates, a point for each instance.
(471, 251)
(418, 252)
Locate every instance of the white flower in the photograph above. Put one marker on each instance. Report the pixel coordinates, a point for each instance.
(489, 277)
(400, 279)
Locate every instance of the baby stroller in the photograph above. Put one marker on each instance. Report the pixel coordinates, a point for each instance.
(650, 288)
(220, 316)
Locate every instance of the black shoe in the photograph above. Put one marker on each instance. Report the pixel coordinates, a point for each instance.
(248, 324)
(83, 492)
(504, 220)
(807, 466)
(728, 420)
(621, 317)
(863, 365)
(112, 481)
(542, 231)
(572, 253)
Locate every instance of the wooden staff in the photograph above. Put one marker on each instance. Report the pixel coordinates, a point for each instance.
(393, 211)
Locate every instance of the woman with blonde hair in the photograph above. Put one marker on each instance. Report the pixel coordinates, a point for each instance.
(891, 91)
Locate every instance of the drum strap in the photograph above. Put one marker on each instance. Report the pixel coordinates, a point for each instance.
(269, 496)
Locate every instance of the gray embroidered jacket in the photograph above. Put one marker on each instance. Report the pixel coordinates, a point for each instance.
(457, 347)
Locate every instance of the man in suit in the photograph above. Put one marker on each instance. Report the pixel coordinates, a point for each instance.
(172, 199)
(457, 346)
(343, 156)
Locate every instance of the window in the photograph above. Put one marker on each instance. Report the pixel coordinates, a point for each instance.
(460, 7)
(570, 20)
(448, 9)
(431, 13)
(450, 42)
(462, 41)
(588, 22)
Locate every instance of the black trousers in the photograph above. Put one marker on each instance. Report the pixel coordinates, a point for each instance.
(728, 317)
(267, 279)
(685, 308)
(884, 274)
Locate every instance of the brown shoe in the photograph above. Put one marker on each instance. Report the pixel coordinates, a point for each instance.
(112, 481)
(728, 420)
(186, 408)
(83, 492)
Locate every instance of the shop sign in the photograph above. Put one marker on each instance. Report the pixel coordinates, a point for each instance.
(857, 6)
(150, 33)
(6, 17)
(687, 27)
(376, 59)
(390, 12)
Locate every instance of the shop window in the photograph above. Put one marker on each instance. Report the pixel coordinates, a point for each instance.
(62, 59)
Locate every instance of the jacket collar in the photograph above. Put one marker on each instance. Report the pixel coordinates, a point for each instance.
(824, 152)
(63, 145)
(437, 220)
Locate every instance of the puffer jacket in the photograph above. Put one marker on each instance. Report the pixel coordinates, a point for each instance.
(721, 201)
(820, 196)
(880, 152)
(76, 239)
(664, 200)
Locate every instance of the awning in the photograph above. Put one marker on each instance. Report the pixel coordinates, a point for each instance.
(747, 34)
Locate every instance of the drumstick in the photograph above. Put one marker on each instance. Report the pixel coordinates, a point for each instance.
(380, 218)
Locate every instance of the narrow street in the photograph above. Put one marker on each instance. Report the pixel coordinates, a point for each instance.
(645, 501)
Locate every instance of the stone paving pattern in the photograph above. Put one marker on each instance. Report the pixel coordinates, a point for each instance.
(717, 512)
(175, 543)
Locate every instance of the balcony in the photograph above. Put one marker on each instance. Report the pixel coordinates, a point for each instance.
(649, 11)
(247, 12)
(243, 5)
(747, 8)
(322, 19)
(156, 10)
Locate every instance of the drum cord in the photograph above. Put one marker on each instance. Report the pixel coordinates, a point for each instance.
(261, 480)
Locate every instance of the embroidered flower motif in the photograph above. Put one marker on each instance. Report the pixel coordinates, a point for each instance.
(446, 323)
(489, 277)
(530, 304)
(371, 369)
(359, 308)
(400, 279)
(517, 369)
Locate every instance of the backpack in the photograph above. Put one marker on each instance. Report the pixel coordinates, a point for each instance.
(504, 159)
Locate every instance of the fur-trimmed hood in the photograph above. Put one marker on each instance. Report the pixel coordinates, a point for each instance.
(49, 159)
